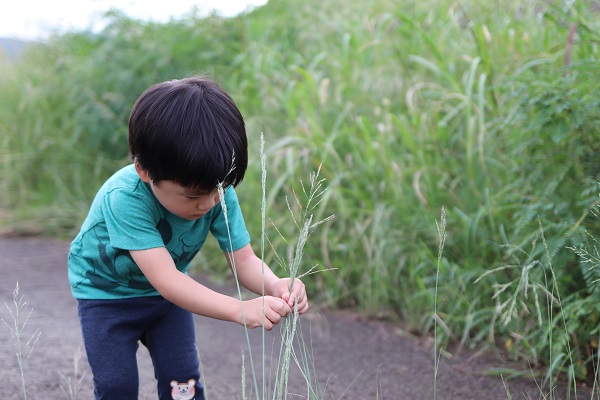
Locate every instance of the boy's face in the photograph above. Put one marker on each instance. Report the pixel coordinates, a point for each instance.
(179, 200)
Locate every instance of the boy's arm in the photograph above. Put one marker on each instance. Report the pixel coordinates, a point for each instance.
(250, 270)
(178, 288)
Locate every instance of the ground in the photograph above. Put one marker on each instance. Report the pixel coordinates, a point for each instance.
(354, 357)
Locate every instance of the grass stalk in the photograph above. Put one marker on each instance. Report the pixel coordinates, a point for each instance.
(508, 395)
(441, 230)
(237, 282)
(263, 216)
(244, 378)
(202, 373)
(564, 322)
(596, 369)
(20, 314)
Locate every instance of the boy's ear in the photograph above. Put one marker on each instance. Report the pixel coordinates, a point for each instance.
(144, 176)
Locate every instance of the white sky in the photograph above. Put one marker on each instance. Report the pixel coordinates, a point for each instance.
(33, 19)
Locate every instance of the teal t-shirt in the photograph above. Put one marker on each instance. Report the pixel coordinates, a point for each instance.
(125, 215)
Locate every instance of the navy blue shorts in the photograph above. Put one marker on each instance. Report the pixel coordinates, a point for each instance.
(111, 332)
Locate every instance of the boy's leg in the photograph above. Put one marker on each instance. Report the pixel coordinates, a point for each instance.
(111, 337)
(171, 341)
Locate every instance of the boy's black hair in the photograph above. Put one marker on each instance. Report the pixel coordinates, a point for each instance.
(191, 132)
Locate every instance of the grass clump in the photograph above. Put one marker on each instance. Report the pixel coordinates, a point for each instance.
(314, 194)
(552, 332)
(290, 329)
(24, 344)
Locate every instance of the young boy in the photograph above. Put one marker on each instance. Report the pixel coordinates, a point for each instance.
(127, 265)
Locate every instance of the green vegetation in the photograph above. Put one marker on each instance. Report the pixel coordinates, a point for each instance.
(488, 109)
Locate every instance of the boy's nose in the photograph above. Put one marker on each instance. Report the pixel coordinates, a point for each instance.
(205, 205)
(209, 203)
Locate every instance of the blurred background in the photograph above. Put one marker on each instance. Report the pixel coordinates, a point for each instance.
(488, 110)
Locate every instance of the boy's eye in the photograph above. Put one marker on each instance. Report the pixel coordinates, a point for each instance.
(193, 197)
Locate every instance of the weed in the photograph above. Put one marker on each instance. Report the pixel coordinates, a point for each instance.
(290, 330)
(19, 313)
(72, 383)
(546, 324)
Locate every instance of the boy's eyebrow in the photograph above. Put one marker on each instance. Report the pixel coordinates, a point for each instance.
(190, 192)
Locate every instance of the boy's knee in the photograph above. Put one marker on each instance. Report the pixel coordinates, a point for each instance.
(116, 386)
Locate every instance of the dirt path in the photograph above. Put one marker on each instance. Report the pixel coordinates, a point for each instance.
(372, 360)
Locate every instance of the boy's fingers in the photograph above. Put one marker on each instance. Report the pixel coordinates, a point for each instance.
(297, 293)
(297, 285)
(280, 306)
(304, 308)
(268, 325)
(277, 309)
(302, 304)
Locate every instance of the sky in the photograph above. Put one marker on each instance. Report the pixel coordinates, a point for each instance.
(35, 19)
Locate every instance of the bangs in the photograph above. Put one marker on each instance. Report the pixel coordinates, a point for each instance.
(202, 172)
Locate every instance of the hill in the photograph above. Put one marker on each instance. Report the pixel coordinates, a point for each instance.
(13, 48)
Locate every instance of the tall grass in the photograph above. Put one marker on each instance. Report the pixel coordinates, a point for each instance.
(552, 330)
(491, 111)
(291, 333)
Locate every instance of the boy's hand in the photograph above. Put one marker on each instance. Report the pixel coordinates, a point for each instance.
(274, 310)
(281, 289)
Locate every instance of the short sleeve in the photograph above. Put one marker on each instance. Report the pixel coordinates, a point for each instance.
(230, 232)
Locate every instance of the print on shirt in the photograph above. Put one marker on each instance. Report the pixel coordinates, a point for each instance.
(165, 230)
